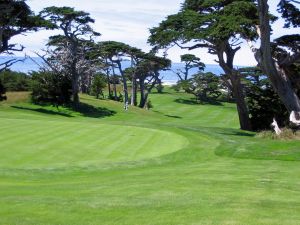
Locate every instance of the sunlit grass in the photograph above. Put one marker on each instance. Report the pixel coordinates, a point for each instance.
(179, 163)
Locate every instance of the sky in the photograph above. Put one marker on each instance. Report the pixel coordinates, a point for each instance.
(129, 21)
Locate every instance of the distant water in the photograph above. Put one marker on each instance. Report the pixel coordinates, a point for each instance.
(168, 76)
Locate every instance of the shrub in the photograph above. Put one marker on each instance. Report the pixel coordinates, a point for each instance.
(263, 103)
(149, 104)
(48, 87)
(15, 81)
(98, 84)
(2, 92)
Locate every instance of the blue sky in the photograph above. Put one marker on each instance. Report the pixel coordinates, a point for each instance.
(129, 21)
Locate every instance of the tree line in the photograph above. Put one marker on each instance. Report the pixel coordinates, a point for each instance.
(76, 62)
(221, 27)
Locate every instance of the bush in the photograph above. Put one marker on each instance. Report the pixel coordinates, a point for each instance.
(2, 92)
(264, 104)
(98, 84)
(149, 104)
(15, 81)
(184, 85)
(48, 87)
(159, 88)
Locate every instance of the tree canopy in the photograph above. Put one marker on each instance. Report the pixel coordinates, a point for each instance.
(218, 26)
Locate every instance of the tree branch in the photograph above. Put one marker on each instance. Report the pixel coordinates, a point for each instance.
(290, 59)
(203, 45)
(8, 63)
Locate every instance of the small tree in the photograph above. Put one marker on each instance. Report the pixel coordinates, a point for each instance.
(190, 62)
(15, 81)
(205, 86)
(51, 87)
(98, 84)
(147, 72)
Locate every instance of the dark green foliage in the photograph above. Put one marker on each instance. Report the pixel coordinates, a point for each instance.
(48, 87)
(205, 86)
(190, 61)
(159, 87)
(15, 81)
(98, 84)
(148, 72)
(76, 29)
(2, 92)
(284, 45)
(114, 48)
(218, 26)
(17, 18)
(282, 49)
(149, 104)
(207, 21)
(73, 23)
(263, 103)
(114, 53)
(182, 85)
(290, 12)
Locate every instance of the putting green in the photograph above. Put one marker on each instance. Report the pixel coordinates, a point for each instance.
(51, 144)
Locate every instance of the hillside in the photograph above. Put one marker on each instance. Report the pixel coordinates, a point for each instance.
(178, 163)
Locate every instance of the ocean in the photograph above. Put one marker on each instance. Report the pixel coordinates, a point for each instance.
(168, 77)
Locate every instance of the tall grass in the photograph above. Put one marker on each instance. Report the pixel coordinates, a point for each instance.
(286, 134)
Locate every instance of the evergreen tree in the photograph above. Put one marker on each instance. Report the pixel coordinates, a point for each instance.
(98, 84)
(216, 25)
(76, 28)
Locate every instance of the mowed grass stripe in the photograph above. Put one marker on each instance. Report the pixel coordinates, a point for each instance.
(189, 186)
(40, 144)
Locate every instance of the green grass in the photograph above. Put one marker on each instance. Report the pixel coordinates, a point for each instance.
(180, 163)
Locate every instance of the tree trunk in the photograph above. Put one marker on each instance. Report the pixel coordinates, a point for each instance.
(108, 83)
(235, 86)
(108, 79)
(134, 92)
(124, 81)
(186, 74)
(143, 94)
(114, 84)
(280, 81)
(75, 92)
(75, 75)
(242, 108)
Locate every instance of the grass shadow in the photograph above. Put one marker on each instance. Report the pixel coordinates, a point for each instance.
(236, 133)
(186, 101)
(175, 117)
(94, 112)
(45, 111)
(160, 93)
(193, 101)
(84, 109)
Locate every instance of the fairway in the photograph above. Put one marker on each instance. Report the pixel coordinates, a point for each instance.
(178, 164)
